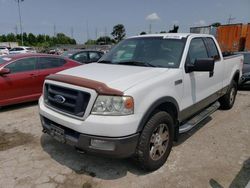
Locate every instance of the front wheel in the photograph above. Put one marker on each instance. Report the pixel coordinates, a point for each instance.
(156, 141)
(227, 101)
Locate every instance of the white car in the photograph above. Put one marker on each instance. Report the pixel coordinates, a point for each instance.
(4, 50)
(22, 50)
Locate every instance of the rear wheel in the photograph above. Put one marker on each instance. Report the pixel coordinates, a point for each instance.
(227, 101)
(156, 141)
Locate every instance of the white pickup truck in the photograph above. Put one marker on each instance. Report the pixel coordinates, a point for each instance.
(140, 96)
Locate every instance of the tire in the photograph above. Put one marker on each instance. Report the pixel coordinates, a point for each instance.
(227, 100)
(156, 141)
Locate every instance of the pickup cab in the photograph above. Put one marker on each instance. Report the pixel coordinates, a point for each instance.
(137, 99)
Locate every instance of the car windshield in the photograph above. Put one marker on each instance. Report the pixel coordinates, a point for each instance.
(147, 51)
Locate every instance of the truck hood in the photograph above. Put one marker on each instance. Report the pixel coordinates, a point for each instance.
(120, 77)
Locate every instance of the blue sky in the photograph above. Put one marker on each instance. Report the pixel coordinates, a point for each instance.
(40, 16)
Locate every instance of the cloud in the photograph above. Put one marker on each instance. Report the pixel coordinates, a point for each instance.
(152, 17)
(200, 23)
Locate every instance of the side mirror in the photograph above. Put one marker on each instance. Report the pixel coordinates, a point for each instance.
(4, 71)
(201, 65)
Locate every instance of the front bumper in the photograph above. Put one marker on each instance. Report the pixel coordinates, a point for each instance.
(118, 147)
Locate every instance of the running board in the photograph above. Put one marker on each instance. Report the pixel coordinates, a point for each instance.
(199, 117)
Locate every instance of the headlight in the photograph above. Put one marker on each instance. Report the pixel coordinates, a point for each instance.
(113, 105)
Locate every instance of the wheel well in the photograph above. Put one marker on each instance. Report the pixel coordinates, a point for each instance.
(169, 108)
(236, 77)
(162, 104)
(173, 111)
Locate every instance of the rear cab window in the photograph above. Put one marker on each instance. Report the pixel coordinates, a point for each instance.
(212, 49)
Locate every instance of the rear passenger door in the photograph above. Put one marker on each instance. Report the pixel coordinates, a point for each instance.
(47, 66)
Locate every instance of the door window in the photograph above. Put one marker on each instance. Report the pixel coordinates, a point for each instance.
(81, 57)
(50, 62)
(197, 49)
(22, 65)
(94, 56)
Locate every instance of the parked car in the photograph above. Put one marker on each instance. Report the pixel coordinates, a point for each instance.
(56, 51)
(140, 96)
(22, 50)
(4, 50)
(84, 56)
(245, 78)
(22, 75)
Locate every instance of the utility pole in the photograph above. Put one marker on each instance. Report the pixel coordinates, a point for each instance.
(87, 30)
(16, 29)
(54, 28)
(105, 34)
(20, 18)
(230, 19)
(150, 28)
(72, 32)
(96, 33)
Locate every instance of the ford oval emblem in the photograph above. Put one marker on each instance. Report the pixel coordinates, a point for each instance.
(59, 99)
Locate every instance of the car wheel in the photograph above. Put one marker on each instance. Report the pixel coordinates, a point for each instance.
(156, 141)
(227, 101)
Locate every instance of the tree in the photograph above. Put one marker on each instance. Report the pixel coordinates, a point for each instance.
(216, 24)
(90, 42)
(32, 40)
(4, 38)
(118, 32)
(40, 38)
(143, 33)
(104, 40)
(11, 37)
(174, 30)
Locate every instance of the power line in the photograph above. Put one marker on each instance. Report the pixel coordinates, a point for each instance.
(230, 19)
(20, 18)
(54, 28)
(72, 32)
(87, 30)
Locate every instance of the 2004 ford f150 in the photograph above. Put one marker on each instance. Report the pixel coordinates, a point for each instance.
(140, 96)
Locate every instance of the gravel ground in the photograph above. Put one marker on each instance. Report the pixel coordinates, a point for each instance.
(215, 154)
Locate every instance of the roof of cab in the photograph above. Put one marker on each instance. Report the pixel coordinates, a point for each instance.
(172, 35)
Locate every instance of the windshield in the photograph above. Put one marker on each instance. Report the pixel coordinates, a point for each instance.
(147, 51)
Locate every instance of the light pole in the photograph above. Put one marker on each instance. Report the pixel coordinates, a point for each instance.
(20, 18)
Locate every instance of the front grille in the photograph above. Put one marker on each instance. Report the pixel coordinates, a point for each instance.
(67, 100)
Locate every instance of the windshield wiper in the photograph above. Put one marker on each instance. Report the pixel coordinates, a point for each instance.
(105, 61)
(138, 63)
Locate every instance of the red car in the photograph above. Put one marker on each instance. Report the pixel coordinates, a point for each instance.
(22, 76)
